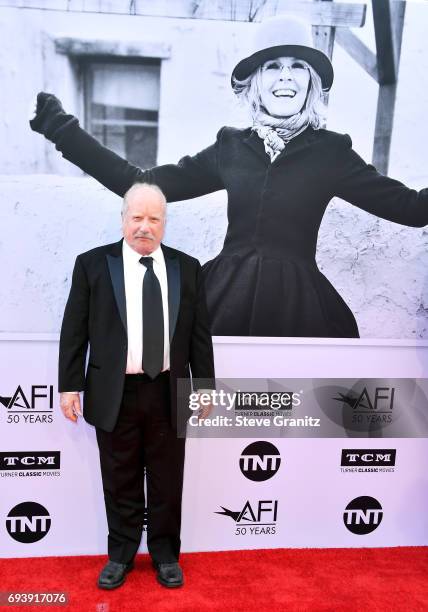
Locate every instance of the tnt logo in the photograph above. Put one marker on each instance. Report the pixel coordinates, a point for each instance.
(28, 522)
(260, 461)
(363, 515)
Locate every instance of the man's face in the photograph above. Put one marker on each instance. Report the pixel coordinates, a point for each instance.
(143, 224)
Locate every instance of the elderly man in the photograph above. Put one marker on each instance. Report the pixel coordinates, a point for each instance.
(141, 308)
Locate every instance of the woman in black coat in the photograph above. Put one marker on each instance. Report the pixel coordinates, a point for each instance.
(279, 175)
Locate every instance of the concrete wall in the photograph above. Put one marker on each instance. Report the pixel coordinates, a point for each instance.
(196, 99)
(379, 268)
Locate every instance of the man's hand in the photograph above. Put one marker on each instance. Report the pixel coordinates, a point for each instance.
(70, 405)
(206, 405)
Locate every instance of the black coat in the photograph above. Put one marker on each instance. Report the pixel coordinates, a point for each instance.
(95, 314)
(265, 282)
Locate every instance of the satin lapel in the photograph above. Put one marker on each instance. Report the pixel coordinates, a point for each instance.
(174, 287)
(115, 266)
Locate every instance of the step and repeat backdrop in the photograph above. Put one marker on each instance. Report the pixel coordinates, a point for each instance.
(283, 461)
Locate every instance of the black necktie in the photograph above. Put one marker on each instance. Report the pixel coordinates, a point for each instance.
(153, 333)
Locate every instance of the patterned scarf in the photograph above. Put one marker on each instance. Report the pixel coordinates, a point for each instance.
(276, 133)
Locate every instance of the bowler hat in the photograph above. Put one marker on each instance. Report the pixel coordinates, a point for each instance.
(284, 36)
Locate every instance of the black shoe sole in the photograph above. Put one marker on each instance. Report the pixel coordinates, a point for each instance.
(110, 587)
(169, 585)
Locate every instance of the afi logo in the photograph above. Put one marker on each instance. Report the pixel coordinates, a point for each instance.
(39, 397)
(260, 461)
(263, 513)
(381, 401)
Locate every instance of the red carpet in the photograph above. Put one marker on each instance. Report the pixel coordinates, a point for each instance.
(298, 580)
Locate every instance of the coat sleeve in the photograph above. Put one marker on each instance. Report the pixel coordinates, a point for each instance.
(362, 185)
(191, 177)
(74, 337)
(201, 347)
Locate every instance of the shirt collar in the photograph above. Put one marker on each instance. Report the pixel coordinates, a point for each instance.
(133, 256)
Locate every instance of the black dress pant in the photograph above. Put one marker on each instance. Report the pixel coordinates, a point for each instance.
(143, 437)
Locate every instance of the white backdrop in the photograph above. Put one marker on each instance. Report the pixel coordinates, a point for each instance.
(310, 489)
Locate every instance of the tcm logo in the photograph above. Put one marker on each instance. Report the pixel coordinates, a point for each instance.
(260, 461)
(35, 406)
(256, 519)
(382, 400)
(30, 460)
(28, 522)
(363, 515)
(368, 457)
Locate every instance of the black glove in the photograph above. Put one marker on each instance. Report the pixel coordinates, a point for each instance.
(51, 120)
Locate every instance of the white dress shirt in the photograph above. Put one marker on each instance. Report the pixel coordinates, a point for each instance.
(134, 274)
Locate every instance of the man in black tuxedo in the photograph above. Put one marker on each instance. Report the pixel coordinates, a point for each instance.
(141, 308)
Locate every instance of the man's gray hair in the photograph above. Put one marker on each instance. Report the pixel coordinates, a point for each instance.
(136, 187)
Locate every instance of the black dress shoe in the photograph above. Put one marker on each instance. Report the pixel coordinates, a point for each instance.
(169, 574)
(113, 574)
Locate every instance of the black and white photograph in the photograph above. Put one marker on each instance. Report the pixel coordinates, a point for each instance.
(287, 137)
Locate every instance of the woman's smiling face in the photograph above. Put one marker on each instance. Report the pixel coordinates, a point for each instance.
(284, 86)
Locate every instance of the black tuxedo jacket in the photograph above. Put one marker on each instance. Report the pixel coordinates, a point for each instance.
(95, 315)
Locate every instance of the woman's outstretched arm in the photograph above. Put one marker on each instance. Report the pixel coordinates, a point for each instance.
(191, 177)
(362, 185)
